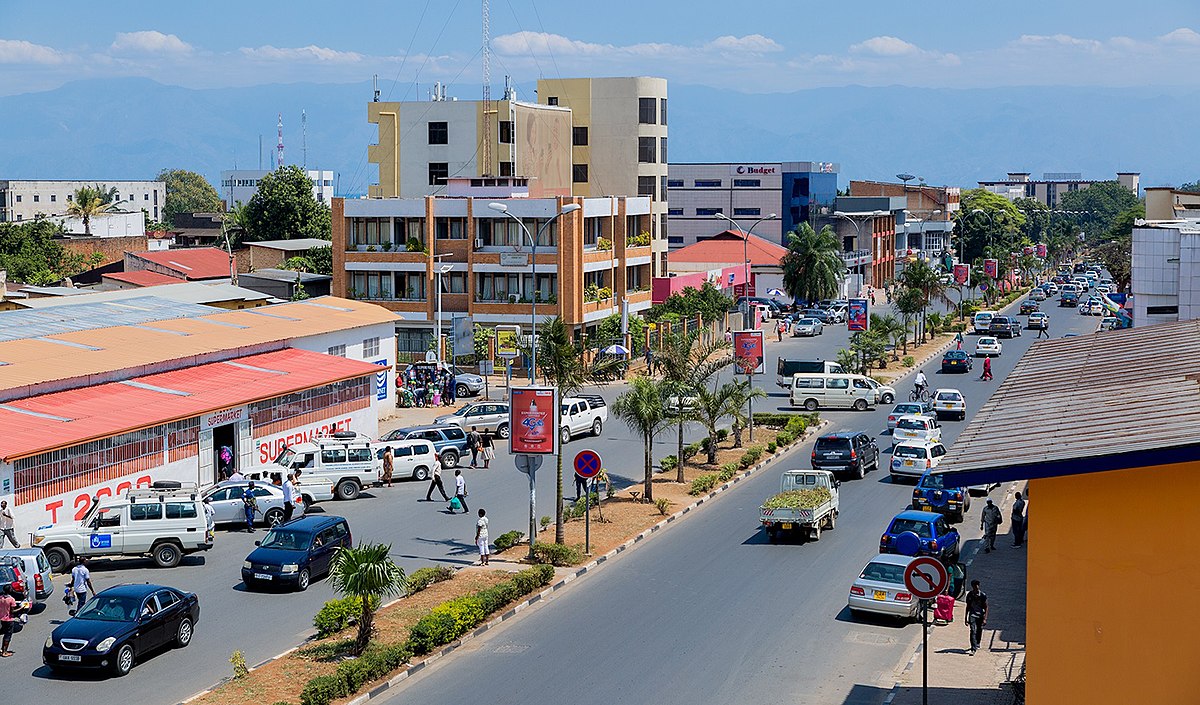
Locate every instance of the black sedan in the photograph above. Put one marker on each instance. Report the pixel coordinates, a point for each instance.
(956, 361)
(120, 625)
(1028, 306)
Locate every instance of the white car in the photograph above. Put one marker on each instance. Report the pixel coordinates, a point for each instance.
(880, 588)
(837, 313)
(908, 408)
(1104, 289)
(910, 459)
(988, 346)
(883, 393)
(1038, 295)
(950, 402)
(916, 427)
(1109, 323)
(1051, 288)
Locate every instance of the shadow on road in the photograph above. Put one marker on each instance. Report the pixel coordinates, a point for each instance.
(872, 619)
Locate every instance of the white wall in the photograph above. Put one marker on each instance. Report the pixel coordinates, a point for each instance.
(353, 340)
(109, 225)
(1155, 278)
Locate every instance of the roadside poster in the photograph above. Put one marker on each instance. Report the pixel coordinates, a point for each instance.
(857, 320)
(962, 273)
(748, 357)
(463, 336)
(533, 418)
(507, 338)
(991, 268)
(1041, 250)
(1027, 251)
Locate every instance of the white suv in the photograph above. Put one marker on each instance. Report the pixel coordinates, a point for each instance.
(347, 459)
(910, 459)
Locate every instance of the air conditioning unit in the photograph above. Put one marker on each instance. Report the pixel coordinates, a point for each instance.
(478, 243)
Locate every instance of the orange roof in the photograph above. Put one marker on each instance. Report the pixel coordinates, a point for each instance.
(61, 419)
(142, 277)
(192, 263)
(98, 355)
(727, 247)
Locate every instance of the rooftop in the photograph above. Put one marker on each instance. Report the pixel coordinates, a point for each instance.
(286, 275)
(65, 314)
(192, 263)
(727, 246)
(176, 290)
(297, 245)
(142, 277)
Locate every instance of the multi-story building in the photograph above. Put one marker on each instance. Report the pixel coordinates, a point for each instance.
(1052, 185)
(397, 252)
(26, 200)
(240, 185)
(1166, 203)
(868, 226)
(1165, 271)
(928, 219)
(795, 191)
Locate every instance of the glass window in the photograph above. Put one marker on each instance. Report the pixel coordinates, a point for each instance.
(454, 283)
(438, 171)
(410, 286)
(579, 173)
(647, 111)
(839, 383)
(646, 150)
(333, 455)
(181, 510)
(579, 136)
(360, 455)
(450, 228)
(142, 511)
(662, 114)
(402, 451)
(675, 183)
(438, 133)
(506, 132)
(707, 211)
(166, 598)
(747, 183)
(337, 350)
(646, 186)
(552, 100)
(674, 211)
(708, 183)
(747, 211)
(370, 347)
(662, 150)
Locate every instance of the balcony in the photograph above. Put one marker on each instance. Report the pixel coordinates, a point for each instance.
(857, 258)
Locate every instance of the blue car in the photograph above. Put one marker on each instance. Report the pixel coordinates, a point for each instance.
(930, 495)
(294, 553)
(916, 533)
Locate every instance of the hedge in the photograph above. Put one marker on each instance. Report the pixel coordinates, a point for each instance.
(703, 483)
(507, 540)
(375, 663)
(336, 615)
(556, 554)
(422, 578)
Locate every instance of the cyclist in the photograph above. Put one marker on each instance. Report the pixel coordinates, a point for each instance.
(921, 383)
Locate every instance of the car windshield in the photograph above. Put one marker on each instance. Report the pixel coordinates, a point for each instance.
(285, 457)
(286, 540)
(933, 482)
(987, 341)
(808, 321)
(903, 451)
(918, 527)
(907, 409)
(912, 424)
(110, 608)
(949, 396)
(883, 573)
(462, 412)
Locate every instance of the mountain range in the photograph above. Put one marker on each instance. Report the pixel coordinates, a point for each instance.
(132, 128)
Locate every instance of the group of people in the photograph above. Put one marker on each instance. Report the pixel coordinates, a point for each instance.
(423, 385)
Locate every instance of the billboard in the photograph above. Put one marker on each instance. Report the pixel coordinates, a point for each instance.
(533, 418)
(962, 273)
(463, 336)
(991, 268)
(1041, 250)
(748, 352)
(857, 320)
(543, 148)
(507, 339)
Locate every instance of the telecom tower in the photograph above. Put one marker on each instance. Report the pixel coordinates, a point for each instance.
(487, 95)
(304, 140)
(279, 147)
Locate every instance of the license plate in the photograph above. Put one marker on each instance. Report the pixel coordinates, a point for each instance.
(262, 576)
(69, 657)
(908, 463)
(832, 455)
(881, 594)
(785, 526)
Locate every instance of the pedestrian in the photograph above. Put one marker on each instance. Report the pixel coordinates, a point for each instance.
(210, 514)
(977, 614)
(779, 332)
(1044, 331)
(236, 476)
(81, 582)
(481, 537)
(987, 369)
(387, 466)
(250, 505)
(1018, 520)
(487, 450)
(580, 487)
(436, 481)
(728, 335)
(8, 612)
(460, 490)
(452, 390)
(473, 442)
(6, 526)
(649, 360)
(989, 522)
(288, 499)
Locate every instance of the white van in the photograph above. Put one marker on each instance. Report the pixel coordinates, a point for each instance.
(787, 368)
(983, 321)
(346, 459)
(833, 391)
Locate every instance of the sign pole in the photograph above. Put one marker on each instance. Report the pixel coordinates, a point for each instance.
(924, 652)
(532, 507)
(587, 518)
(750, 406)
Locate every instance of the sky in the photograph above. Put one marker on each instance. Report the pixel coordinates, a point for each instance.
(760, 46)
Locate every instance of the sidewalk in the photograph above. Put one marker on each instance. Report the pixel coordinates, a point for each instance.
(985, 678)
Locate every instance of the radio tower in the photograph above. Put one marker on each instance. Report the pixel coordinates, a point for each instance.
(304, 140)
(279, 147)
(487, 95)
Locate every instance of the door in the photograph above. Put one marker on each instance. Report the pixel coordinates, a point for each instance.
(170, 613)
(402, 460)
(838, 393)
(107, 537)
(245, 445)
(150, 626)
(208, 465)
(323, 546)
(227, 505)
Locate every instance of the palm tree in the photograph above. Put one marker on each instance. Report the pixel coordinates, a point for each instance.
(740, 396)
(920, 276)
(368, 573)
(642, 410)
(908, 302)
(813, 265)
(89, 202)
(889, 327)
(687, 363)
(712, 405)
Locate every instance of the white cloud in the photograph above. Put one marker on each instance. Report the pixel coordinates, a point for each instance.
(887, 46)
(150, 42)
(1064, 40)
(1183, 35)
(19, 51)
(308, 53)
(754, 43)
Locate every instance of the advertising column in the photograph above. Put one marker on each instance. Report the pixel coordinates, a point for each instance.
(749, 359)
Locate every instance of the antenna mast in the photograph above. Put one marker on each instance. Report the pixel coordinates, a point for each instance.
(487, 95)
(304, 140)
(279, 147)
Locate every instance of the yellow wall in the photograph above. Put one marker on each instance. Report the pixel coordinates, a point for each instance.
(1113, 577)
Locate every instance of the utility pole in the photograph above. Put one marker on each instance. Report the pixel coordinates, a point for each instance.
(487, 95)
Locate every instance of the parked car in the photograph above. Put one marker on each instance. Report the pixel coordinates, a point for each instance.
(916, 533)
(988, 346)
(484, 415)
(880, 589)
(411, 460)
(121, 625)
(883, 393)
(1109, 323)
(36, 569)
(931, 495)
(910, 459)
(956, 361)
(838, 312)
(807, 327)
(820, 314)
(1005, 327)
(908, 408)
(586, 413)
(1039, 320)
(344, 458)
(917, 427)
(950, 402)
(449, 442)
(16, 581)
(854, 453)
(1028, 306)
(466, 384)
(226, 499)
(297, 552)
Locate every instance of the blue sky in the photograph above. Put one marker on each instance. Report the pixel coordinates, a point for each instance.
(756, 46)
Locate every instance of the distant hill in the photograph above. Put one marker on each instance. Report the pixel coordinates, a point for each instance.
(132, 128)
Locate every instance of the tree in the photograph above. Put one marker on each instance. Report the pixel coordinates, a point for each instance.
(1190, 187)
(687, 363)
(813, 265)
(919, 276)
(707, 302)
(284, 208)
(740, 397)
(187, 192)
(31, 254)
(711, 406)
(1037, 219)
(998, 225)
(609, 332)
(367, 572)
(908, 303)
(1100, 204)
(89, 202)
(889, 328)
(321, 258)
(643, 411)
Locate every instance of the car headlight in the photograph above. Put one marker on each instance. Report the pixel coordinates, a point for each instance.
(38, 539)
(247, 565)
(290, 568)
(49, 642)
(106, 644)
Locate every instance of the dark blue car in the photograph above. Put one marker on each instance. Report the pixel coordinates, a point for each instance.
(294, 553)
(931, 495)
(120, 626)
(917, 533)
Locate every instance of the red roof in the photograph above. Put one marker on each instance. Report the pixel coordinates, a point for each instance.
(193, 263)
(142, 277)
(65, 418)
(727, 247)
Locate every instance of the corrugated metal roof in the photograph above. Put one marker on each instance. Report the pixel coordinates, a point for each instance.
(142, 277)
(177, 290)
(50, 421)
(68, 314)
(1103, 394)
(191, 263)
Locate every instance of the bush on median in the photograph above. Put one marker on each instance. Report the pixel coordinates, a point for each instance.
(507, 540)
(422, 578)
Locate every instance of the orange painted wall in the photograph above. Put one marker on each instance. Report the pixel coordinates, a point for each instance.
(1112, 572)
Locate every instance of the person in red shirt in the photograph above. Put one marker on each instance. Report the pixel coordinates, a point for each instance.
(8, 612)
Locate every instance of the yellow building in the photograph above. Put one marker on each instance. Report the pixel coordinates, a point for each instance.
(1106, 429)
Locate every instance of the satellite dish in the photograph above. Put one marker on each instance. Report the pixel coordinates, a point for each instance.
(905, 177)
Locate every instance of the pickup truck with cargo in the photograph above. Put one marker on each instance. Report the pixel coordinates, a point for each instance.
(345, 458)
(807, 501)
(585, 413)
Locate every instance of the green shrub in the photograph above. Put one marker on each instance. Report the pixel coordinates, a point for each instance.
(796, 425)
(355, 673)
(691, 450)
(447, 622)
(668, 463)
(508, 539)
(705, 443)
(327, 650)
(784, 438)
(556, 554)
(771, 447)
(323, 690)
(530, 579)
(238, 660)
(422, 578)
(728, 470)
(497, 596)
(662, 504)
(751, 456)
(722, 434)
(545, 522)
(336, 615)
(909, 361)
(703, 483)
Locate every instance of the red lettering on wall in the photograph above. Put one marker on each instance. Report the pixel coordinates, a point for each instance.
(82, 502)
(123, 488)
(53, 508)
(86, 501)
(269, 450)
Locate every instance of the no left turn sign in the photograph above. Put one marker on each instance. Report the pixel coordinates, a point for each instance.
(926, 577)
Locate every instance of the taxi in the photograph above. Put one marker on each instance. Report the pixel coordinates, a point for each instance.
(950, 403)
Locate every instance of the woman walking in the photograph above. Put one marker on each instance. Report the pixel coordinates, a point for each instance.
(487, 449)
(987, 370)
(387, 466)
(481, 537)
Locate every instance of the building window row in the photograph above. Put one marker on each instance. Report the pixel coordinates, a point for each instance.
(78, 466)
(450, 228)
(514, 288)
(707, 183)
(312, 400)
(747, 183)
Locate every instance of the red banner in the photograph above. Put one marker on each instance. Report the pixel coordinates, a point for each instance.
(991, 268)
(533, 418)
(962, 273)
(1027, 251)
(748, 355)
(1041, 250)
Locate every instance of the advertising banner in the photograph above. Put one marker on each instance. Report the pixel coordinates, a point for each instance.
(857, 320)
(1027, 251)
(991, 268)
(506, 341)
(463, 336)
(533, 419)
(748, 357)
(1041, 250)
(962, 273)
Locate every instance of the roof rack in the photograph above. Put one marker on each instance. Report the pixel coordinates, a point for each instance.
(342, 436)
(188, 490)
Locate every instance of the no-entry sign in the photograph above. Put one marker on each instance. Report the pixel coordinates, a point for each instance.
(587, 464)
(926, 577)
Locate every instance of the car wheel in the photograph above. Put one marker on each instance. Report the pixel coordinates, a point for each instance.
(810, 404)
(502, 430)
(422, 473)
(461, 390)
(887, 398)
(183, 636)
(302, 580)
(861, 471)
(597, 427)
(273, 517)
(123, 663)
(816, 532)
(167, 555)
(832, 520)
(449, 460)
(860, 404)
(59, 559)
(565, 435)
(348, 489)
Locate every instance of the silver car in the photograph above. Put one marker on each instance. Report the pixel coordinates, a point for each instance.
(226, 500)
(807, 327)
(36, 569)
(905, 408)
(483, 415)
(880, 589)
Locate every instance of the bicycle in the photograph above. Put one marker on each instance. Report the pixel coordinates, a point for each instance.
(919, 394)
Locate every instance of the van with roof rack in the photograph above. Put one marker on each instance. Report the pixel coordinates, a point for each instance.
(345, 458)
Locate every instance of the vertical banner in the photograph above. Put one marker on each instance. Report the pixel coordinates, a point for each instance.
(533, 418)
(857, 320)
(1041, 250)
(463, 336)
(1027, 251)
(962, 273)
(748, 357)
(991, 268)
(506, 341)
(381, 380)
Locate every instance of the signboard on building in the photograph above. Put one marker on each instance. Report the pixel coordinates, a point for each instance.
(533, 420)
(857, 320)
(748, 355)
(507, 338)
(381, 380)
(991, 268)
(514, 259)
(962, 273)
(759, 169)
(224, 417)
(746, 290)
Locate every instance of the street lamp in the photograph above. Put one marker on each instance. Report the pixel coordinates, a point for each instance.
(858, 226)
(921, 221)
(503, 209)
(441, 355)
(745, 259)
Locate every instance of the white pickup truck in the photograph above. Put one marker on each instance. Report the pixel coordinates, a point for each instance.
(346, 459)
(807, 500)
(585, 413)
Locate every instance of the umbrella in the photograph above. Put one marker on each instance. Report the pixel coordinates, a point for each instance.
(615, 350)
(774, 292)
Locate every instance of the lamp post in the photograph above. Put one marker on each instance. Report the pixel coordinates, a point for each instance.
(745, 259)
(503, 209)
(441, 349)
(858, 226)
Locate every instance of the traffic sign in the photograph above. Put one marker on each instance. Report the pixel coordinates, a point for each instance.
(587, 464)
(528, 463)
(926, 577)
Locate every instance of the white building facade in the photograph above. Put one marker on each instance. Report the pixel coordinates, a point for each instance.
(1166, 272)
(240, 185)
(27, 200)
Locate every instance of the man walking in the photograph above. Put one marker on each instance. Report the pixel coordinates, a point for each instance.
(1044, 331)
(289, 499)
(460, 490)
(388, 466)
(1018, 521)
(473, 442)
(81, 582)
(989, 522)
(977, 613)
(481, 537)
(250, 505)
(6, 526)
(436, 481)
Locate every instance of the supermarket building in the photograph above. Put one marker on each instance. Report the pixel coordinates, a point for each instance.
(101, 397)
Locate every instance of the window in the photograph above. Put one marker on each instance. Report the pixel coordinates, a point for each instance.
(662, 150)
(333, 455)
(53, 198)
(674, 211)
(372, 285)
(181, 510)
(506, 169)
(450, 228)
(662, 180)
(360, 455)
(579, 173)
(506, 132)
(1162, 310)
(369, 231)
(708, 183)
(337, 351)
(410, 286)
(438, 133)
(674, 240)
(747, 183)
(662, 113)
(674, 183)
(145, 197)
(646, 150)
(438, 171)
(412, 228)
(593, 230)
(454, 283)
(36, 198)
(370, 347)
(708, 211)
(579, 136)
(166, 598)
(19, 198)
(647, 111)
(809, 383)
(646, 186)
(144, 511)
(839, 383)
(635, 279)
(747, 211)
(552, 100)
